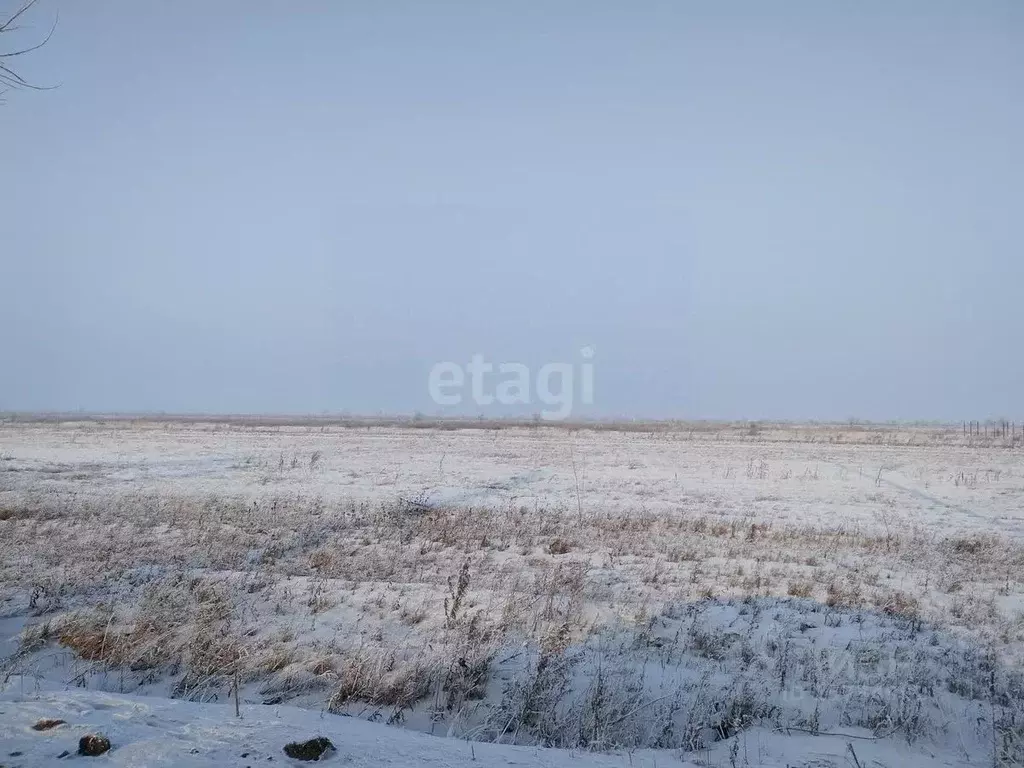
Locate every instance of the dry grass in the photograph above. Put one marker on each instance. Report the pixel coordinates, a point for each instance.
(428, 642)
(850, 432)
(184, 570)
(390, 603)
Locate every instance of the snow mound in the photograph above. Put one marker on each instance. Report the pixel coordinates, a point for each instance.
(147, 731)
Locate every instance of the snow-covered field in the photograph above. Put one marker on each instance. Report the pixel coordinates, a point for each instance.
(704, 594)
(929, 477)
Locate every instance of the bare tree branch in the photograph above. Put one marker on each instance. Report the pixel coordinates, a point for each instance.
(9, 77)
(6, 26)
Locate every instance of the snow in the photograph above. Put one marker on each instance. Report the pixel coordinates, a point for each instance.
(819, 675)
(271, 523)
(153, 732)
(161, 732)
(933, 477)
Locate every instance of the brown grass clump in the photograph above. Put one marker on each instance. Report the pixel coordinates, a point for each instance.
(900, 604)
(800, 588)
(559, 546)
(183, 624)
(843, 595)
(383, 680)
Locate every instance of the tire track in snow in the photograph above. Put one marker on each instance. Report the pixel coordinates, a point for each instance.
(917, 493)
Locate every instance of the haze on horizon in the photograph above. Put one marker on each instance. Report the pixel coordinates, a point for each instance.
(808, 211)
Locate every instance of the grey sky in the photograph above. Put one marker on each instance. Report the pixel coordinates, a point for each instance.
(785, 210)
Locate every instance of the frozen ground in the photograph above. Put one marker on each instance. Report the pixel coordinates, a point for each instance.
(391, 572)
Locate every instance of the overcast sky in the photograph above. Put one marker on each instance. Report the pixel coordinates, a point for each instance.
(749, 210)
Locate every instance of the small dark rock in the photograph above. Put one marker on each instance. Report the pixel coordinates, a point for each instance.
(314, 749)
(47, 724)
(16, 754)
(92, 745)
(63, 754)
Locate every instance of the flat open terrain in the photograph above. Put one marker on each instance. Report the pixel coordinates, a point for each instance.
(392, 570)
(932, 478)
